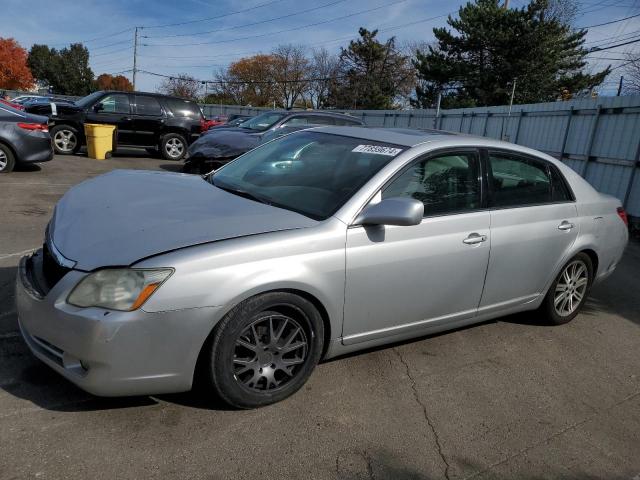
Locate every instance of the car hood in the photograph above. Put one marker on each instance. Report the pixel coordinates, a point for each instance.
(224, 143)
(123, 216)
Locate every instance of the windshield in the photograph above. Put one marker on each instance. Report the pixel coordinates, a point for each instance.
(88, 100)
(262, 122)
(308, 172)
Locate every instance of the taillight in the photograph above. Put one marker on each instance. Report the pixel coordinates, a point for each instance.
(41, 127)
(623, 215)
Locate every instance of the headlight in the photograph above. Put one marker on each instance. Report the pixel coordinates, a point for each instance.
(118, 289)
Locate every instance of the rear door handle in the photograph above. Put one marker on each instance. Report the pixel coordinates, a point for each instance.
(564, 225)
(474, 238)
(126, 119)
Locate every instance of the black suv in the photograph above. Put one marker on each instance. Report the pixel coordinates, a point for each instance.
(155, 122)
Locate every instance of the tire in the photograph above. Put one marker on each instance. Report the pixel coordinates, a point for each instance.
(173, 146)
(249, 371)
(7, 160)
(66, 140)
(577, 276)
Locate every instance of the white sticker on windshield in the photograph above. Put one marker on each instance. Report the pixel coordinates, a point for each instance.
(378, 150)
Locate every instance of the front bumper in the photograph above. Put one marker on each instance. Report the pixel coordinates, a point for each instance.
(105, 352)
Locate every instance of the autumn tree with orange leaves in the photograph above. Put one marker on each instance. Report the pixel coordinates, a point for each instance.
(110, 82)
(14, 72)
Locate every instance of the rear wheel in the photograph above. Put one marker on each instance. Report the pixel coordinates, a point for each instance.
(264, 349)
(66, 140)
(569, 291)
(7, 160)
(173, 146)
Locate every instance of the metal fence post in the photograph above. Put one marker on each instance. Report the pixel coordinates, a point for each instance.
(515, 138)
(461, 121)
(486, 121)
(632, 177)
(566, 132)
(592, 136)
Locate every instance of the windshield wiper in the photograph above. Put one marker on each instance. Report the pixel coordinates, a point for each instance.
(243, 193)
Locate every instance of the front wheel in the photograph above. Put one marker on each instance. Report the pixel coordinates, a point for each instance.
(66, 140)
(569, 290)
(264, 349)
(173, 146)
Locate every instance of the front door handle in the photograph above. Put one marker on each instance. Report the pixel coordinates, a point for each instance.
(126, 119)
(474, 238)
(564, 225)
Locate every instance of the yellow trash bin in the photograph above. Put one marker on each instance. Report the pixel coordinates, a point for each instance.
(99, 140)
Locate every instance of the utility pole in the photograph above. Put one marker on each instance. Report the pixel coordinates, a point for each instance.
(620, 86)
(135, 57)
(506, 4)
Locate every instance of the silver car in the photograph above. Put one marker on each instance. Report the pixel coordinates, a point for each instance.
(319, 243)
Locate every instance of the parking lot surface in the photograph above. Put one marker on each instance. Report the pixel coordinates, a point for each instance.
(504, 399)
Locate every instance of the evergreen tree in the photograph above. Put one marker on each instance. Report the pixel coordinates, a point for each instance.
(370, 74)
(488, 47)
(67, 70)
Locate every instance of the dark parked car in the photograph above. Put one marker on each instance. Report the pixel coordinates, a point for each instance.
(152, 121)
(222, 144)
(24, 138)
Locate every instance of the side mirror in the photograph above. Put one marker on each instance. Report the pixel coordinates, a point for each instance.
(400, 211)
(98, 107)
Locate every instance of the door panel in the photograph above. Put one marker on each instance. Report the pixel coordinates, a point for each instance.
(530, 234)
(148, 120)
(432, 272)
(115, 111)
(401, 275)
(526, 248)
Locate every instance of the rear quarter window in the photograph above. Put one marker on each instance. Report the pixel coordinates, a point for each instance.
(183, 108)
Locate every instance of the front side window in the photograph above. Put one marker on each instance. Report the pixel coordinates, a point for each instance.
(445, 184)
(517, 181)
(147, 106)
(295, 121)
(308, 172)
(116, 103)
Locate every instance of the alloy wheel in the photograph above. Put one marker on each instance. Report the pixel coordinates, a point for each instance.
(571, 288)
(174, 147)
(65, 140)
(269, 353)
(4, 161)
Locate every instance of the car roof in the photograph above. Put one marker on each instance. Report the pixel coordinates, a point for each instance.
(149, 94)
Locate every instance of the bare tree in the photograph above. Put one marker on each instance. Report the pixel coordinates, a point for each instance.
(183, 86)
(324, 70)
(564, 11)
(631, 82)
(291, 69)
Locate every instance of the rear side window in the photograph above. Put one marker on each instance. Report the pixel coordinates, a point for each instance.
(321, 120)
(517, 181)
(560, 190)
(182, 108)
(148, 106)
(445, 184)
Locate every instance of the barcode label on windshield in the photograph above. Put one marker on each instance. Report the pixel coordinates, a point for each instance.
(377, 149)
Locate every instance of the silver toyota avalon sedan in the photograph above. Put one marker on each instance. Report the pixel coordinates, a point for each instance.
(316, 244)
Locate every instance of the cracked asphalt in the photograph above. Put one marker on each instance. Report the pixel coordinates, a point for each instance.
(510, 398)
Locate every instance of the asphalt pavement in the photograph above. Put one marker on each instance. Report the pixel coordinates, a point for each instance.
(511, 398)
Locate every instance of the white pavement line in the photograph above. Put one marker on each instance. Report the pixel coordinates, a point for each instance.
(9, 335)
(9, 255)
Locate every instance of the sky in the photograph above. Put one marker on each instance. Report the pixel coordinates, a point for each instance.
(198, 37)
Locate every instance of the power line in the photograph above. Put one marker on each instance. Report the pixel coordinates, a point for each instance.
(599, 49)
(112, 52)
(216, 17)
(96, 38)
(247, 24)
(609, 23)
(249, 82)
(279, 31)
